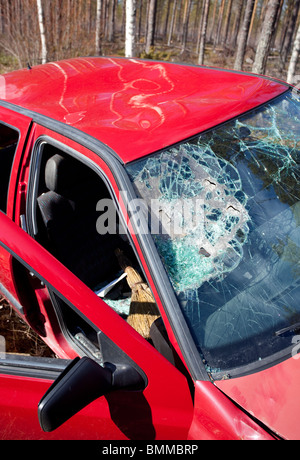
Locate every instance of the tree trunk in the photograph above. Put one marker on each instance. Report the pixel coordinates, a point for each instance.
(220, 23)
(98, 28)
(237, 23)
(172, 22)
(186, 24)
(139, 23)
(213, 20)
(265, 38)
(106, 18)
(227, 21)
(276, 24)
(291, 23)
(42, 31)
(197, 14)
(130, 28)
(151, 25)
(167, 19)
(67, 35)
(243, 36)
(111, 23)
(294, 59)
(1, 18)
(203, 32)
(252, 21)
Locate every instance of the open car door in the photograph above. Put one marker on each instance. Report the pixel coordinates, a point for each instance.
(122, 387)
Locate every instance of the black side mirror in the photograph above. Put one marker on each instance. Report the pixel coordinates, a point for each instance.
(83, 381)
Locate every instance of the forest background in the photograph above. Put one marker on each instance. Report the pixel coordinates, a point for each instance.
(260, 36)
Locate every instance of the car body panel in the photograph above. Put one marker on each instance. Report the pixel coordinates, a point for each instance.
(102, 419)
(152, 410)
(22, 124)
(136, 107)
(155, 414)
(40, 134)
(271, 395)
(217, 418)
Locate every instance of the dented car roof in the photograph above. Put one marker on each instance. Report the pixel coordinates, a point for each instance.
(134, 106)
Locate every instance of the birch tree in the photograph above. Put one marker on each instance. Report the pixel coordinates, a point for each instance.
(203, 32)
(130, 28)
(243, 36)
(265, 37)
(294, 58)
(42, 31)
(98, 28)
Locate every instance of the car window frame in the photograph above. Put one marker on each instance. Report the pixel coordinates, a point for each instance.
(14, 128)
(32, 366)
(34, 173)
(50, 368)
(33, 184)
(22, 123)
(52, 289)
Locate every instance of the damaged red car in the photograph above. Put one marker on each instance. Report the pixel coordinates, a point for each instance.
(149, 234)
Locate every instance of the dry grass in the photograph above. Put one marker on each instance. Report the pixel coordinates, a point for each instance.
(19, 337)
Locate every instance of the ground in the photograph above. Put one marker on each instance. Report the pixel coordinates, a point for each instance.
(19, 337)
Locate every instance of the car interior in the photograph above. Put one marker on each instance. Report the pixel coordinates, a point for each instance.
(66, 215)
(67, 196)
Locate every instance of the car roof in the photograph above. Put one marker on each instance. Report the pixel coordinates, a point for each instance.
(136, 106)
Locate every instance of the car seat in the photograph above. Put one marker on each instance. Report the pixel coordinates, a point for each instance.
(68, 210)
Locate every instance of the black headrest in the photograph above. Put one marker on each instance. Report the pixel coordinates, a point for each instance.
(61, 174)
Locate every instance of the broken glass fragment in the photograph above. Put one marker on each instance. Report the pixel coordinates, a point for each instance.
(202, 211)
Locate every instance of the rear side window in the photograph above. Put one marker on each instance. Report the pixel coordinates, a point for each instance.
(8, 144)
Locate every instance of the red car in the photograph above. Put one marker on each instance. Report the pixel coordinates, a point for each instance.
(149, 233)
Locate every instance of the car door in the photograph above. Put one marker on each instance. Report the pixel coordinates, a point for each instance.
(14, 129)
(161, 408)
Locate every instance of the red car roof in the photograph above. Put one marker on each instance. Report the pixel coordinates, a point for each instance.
(136, 107)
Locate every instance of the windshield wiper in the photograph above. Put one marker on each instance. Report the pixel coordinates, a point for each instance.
(292, 328)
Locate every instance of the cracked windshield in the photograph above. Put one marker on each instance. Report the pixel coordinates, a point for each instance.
(225, 217)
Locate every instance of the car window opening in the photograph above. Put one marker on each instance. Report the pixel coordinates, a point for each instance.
(66, 212)
(66, 216)
(17, 337)
(8, 143)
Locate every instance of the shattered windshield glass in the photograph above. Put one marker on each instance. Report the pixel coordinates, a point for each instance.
(225, 218)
